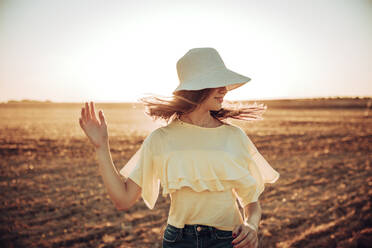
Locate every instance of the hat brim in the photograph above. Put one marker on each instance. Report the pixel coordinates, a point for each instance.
(215, 79)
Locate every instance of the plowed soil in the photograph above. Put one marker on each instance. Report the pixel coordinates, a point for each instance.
(52, 194)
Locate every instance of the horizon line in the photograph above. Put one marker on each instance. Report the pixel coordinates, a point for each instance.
(25, 100)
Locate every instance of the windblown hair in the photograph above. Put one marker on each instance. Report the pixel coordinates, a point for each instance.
(185, 101)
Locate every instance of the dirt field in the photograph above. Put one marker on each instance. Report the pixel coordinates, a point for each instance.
(53, 196)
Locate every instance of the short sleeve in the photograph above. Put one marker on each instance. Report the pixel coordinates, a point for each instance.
(259, 168)
(142, 170)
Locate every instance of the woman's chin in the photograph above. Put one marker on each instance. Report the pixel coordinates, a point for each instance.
(216, 108)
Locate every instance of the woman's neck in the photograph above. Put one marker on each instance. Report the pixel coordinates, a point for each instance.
(203, 121)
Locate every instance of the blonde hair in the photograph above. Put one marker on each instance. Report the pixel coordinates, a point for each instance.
(184, 101)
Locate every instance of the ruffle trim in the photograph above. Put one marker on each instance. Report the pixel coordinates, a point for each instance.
(214, 173)
(244, 183)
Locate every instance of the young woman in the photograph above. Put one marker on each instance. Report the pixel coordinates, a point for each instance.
(203, 162)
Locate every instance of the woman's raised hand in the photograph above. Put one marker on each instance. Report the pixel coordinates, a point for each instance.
(95, 130)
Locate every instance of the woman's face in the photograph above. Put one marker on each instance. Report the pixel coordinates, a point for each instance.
(214, 100)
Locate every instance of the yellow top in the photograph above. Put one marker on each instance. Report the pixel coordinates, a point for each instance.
(203, 169)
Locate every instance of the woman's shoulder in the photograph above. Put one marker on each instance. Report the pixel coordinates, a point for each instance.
(156, 138)
(155, 135)
(161, 133)
(239, 133)
(235, 128)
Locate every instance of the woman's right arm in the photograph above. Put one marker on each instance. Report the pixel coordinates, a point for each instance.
(123, 194)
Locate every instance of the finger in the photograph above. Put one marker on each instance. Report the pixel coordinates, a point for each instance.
(243, 243)
(255, 244)
(84, 111)
(93, 114)
(241, 236)
(236, 231)
(83, 114)
(250, 237)
(87, 113)
(102, 118)
(236, 235)
(81, 123)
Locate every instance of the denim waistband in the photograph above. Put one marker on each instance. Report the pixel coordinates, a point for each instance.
(198, 228)
(195, 228)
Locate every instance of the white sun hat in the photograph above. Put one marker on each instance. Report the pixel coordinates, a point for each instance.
(202, 68)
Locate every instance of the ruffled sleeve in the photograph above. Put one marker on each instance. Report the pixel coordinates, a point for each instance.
(258, 167)
(141, 168)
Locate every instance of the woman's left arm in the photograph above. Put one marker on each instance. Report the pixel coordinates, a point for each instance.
(245, 235)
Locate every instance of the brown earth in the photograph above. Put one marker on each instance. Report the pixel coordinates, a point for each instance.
(53, 196)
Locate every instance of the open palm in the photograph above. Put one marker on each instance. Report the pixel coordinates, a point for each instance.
(96, 130)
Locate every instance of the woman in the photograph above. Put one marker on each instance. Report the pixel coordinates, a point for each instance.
(204, 163)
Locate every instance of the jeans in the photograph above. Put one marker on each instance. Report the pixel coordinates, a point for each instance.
(196, 236)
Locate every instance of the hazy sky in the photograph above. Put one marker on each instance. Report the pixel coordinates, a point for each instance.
(115, 51)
